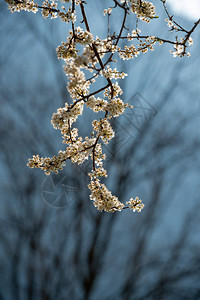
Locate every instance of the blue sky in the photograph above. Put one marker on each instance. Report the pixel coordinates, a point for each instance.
(189, 9)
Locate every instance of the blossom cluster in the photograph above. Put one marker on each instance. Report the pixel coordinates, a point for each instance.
(103, 198)
(107, 11)
(29, 5)
(104, 130)
(180, 48)
(144, 10)
(135, 204)
(83, 54)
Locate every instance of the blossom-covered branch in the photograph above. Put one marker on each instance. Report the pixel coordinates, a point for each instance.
(83, 54)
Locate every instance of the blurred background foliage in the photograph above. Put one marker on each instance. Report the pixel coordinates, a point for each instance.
(69, 250)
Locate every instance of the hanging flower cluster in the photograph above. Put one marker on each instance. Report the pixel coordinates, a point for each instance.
(143, 9)
(85, 54)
